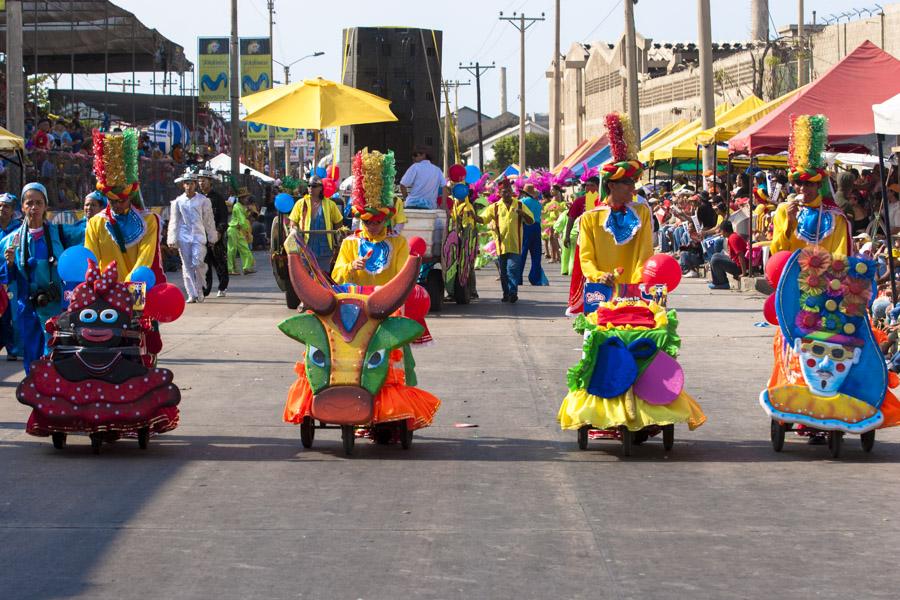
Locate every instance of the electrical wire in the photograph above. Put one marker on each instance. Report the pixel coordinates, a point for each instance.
(602, 21)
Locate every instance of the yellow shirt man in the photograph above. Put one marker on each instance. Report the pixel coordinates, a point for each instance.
(301, 215)
(499, 216)
(143, 252)
(784, 234)
(600, 254)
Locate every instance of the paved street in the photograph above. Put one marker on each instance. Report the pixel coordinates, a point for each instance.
(230, 506)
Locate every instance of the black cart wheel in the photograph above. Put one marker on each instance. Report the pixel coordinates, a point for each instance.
(583, 437)
(143, 438)
(383, 434)
(640, 437)
(835, 442)
(96, 442)
(290, 298)
(776, 433)
(348, 438)
(307, 432)
(867, 440)
(627, 440)
(406, 434)
(668, 435)
(59, 439)
(434, 285)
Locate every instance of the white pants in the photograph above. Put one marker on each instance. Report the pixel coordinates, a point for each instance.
(193, 267)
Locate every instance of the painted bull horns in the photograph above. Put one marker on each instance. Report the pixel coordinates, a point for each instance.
(315, 296)
(391, 296)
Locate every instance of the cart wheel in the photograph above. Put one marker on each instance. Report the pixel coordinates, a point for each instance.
(348, 437)
(143, 438)
(627, 440)
(434, 285)
(640, 437)
(835, 441)
(583, 437)
(777, 430)
(290, 298)
(383, 434)
(406, 435)
(59, 439)
(668, 435)
(307, 432)
(96, 442)
(867, 440)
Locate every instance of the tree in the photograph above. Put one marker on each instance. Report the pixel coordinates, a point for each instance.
(506, 151)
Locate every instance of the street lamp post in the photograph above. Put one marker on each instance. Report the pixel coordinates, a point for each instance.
(287, 80)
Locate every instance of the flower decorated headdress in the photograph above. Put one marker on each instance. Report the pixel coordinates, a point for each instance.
(834, 294)
(623, 144)
(806, 149)
(116, 165)
(373, 185)
(105, 286)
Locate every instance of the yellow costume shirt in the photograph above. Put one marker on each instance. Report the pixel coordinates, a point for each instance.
(464, 213)
(302, 211)
(601, 255)
(784, 234)
(343, 272)
(98, 240)
(505, 217)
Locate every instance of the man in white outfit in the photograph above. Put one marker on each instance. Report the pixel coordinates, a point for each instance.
(191, 227)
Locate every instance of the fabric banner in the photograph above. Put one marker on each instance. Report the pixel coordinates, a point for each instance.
(213, 69)
(257, 131)
(256, 65)
(285, 133)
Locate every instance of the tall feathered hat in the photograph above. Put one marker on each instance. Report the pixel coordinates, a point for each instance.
(116, 165)
(806, 149)
(623, 144)
(373, 185)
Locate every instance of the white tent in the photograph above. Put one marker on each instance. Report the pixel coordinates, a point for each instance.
(887, 116)
(223, 163)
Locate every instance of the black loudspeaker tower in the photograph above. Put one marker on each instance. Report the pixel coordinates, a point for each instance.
(404, 66)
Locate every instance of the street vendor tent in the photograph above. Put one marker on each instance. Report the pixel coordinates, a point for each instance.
(866, 76)
(223, 163)
(10, 142)
(647, 150)
(604, 154)
(728, 128)
(887, 116)
(586, 148)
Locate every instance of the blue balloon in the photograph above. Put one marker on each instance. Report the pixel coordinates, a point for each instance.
(321, 172)
(473, 174)
(284, 202)
(460, 191)
(73, 264)
(144, 274)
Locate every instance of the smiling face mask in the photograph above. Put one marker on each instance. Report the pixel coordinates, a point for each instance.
(824, 365)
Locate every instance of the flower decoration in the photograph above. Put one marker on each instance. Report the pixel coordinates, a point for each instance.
(812, 284)
(808, 321)
(814, 260)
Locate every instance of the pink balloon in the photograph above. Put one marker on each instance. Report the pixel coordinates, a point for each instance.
(769, 310)
(662, 269)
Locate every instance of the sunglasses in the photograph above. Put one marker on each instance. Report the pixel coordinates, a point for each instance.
(819, 351)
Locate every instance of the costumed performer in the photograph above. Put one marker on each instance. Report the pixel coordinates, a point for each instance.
(239, 236)
(627, 376)
(9, 335)
(531, 239)
(812, 218)
(372, 255)
(32, 253)
(217, 255)
(315, 213)
(506, 218)
(192, 227)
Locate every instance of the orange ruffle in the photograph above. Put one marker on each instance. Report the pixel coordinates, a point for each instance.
(394, 402)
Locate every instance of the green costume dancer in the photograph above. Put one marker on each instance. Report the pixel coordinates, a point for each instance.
(238, 235)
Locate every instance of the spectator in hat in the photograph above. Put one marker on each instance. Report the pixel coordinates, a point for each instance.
(217, 253)
(315, 213)
(505, 219)
(423, 182)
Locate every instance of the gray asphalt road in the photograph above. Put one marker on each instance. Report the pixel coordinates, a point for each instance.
(230, 506)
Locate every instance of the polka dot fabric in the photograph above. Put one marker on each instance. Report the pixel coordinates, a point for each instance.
(103, 286)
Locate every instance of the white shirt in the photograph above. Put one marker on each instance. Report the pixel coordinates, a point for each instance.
(424, 181)
(191, 221)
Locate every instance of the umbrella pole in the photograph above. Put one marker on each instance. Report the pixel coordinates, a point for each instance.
(728, 187)
(750, 222)
(887, 216)
(697, 171)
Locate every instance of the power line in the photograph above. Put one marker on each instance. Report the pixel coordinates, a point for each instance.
(602, 21)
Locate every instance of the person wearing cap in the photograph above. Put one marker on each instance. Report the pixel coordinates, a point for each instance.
(31, 254)
(315, 213)
(423, 182)
(239, 236)
(94, 202)
(191, 228)
(531, 239)
(217, 253)
(506, 220)
(9, 223)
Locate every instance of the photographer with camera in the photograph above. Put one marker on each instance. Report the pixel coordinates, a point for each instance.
(31, 254)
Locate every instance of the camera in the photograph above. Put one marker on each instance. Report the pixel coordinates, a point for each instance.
(43, 297)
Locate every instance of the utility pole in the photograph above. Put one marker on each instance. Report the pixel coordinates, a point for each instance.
(287, 143)
(15, 83)
(707, 100)
(557, 104)
(477, 69)
(271, 4)
(802, 73)
(446, 84)
(634, 105)
(235, 81)
(522, 23)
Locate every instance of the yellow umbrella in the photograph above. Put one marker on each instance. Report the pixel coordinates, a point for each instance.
(316, 104)
(10, 141)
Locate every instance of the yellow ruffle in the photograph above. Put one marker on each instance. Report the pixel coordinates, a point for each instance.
(581, 408)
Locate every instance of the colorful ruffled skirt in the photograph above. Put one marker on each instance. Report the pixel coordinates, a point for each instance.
(579, 408)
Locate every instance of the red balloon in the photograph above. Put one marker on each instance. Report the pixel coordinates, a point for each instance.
(457, 173)
(417, 246)
(164, 303)
(662, 269)
(334, 172)
(329, 187)
(776, 265)
(769, 310)
(417, 304)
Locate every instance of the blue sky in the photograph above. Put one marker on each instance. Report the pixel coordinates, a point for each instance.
(471, 29)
